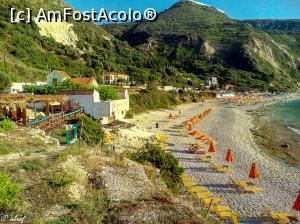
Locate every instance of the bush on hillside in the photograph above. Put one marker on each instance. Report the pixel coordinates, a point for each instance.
(165, 161)
(4, 82)
(9, 193)
(92, 132)
(151, 100)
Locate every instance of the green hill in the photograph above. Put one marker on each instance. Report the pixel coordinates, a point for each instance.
(26, 54)
(187, 41)
(202, 40)
(290, 25)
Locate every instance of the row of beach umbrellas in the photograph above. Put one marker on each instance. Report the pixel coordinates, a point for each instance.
(254, 172)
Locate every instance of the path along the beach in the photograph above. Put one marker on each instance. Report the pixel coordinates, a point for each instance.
(230, 128)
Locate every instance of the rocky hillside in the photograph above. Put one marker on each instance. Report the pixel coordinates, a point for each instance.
(203, 40)
(188, 41)
(28, 51)
(51, 183)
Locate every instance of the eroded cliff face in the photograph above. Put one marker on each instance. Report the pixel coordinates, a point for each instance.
(61, 32)
(263, 51)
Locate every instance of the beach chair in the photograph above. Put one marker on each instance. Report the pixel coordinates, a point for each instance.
(161, 138)
(219, 167)
(207, 201)
(203, 195)
(205, 158)
(252, 189)
(280, 217)
(188, 183)
(197, 189)
(185, 178)
(228, 214)
(220, 208)
(245, 185)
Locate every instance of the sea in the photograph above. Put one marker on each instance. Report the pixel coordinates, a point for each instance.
(288, 113)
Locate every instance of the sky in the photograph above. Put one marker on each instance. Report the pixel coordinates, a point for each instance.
(236, 9)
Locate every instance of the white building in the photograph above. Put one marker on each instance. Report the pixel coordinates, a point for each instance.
(106, 111)
(211, 81)
(56, 76)
(115, 78)
(18, 87)
(222, 95)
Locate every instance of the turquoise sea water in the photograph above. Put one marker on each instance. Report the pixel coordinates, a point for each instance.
(288, 113)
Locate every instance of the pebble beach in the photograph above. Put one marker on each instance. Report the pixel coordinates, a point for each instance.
(230, 128)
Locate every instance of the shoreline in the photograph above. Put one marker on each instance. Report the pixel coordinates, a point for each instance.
(230, 126)
(273, 135)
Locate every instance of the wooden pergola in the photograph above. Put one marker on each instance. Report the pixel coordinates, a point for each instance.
(18, 102)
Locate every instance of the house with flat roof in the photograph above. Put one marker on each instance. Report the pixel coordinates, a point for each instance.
(115, 78)
(106, 111)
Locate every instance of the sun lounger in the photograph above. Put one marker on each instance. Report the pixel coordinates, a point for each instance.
(219, 167)
(253, 189)
(203, 195)
(225, 214)
(188, 183)
(245, 185)
(162, 138)
(208, 201)
(185, 178)
(220, 208)
(197, 189)
(280, 217)
(205, 158)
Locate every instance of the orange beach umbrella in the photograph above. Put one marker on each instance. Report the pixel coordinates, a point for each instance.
(211, 148)
(254, 173)
(198, 133)
(190, 127)
(192, 133)
(296, 206)
(229, 156)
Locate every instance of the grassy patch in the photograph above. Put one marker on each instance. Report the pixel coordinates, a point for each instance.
(6, 125)
(58, 179)
(9, 192)
(4, 150)
(34, 165)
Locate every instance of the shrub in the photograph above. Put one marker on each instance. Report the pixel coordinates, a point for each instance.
(8, 192)
(107, 93)
(60, 180)
(92, 132)
(152, 100)
(32, 165)
(6, 125)
(129, 115)
(166, 162)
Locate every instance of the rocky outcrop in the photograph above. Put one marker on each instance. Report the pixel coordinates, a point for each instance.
(61, 32)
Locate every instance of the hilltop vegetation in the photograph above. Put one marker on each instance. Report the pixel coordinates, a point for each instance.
(187, 41)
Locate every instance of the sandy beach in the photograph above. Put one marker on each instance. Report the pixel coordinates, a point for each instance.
(230, 127)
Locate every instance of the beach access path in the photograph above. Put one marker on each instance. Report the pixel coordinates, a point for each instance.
(230, 127)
